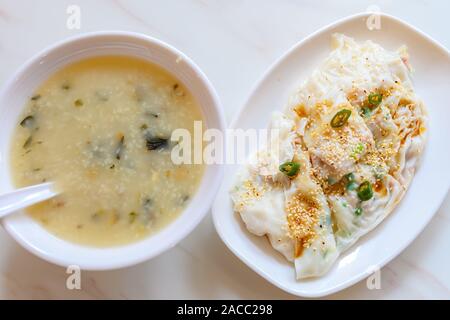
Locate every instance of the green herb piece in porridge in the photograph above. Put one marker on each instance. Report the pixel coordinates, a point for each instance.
(155, 143)
(78, 103)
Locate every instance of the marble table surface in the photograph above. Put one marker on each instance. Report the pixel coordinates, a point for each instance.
(233, 42)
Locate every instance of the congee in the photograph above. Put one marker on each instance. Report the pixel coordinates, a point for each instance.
(100, 129)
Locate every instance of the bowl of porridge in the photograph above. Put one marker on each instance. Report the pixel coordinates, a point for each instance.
(97, 115)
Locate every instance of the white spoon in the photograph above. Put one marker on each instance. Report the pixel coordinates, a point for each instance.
(21, 198)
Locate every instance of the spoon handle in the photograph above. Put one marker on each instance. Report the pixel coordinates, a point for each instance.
(24, 197)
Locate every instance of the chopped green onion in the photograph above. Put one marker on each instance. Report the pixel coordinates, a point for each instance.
(365, 191)
(378, 173)
(290, 168)
(340, 118)
(27, 143)
(358, 211)
(375, 99)
(120, 147)
(351, 186)
(366, 112)
(357, 150)
(155, 143)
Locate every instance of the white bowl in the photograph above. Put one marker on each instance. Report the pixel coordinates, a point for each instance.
(18, 90)
(431, 62)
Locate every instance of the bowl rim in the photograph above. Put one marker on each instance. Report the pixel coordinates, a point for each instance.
(202, 208)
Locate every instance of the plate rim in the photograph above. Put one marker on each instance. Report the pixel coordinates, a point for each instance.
(360, 276)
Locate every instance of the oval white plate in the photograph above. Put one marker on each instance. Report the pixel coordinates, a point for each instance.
(431, 62)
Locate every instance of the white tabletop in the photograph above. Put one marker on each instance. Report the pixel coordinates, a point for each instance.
(233, 42)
